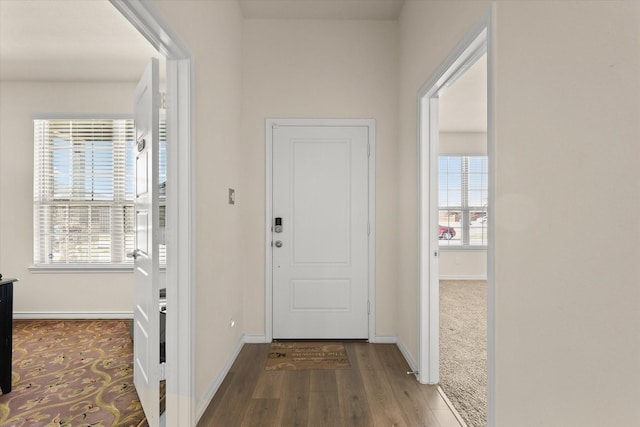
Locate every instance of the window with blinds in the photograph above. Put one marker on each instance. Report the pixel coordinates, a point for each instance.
(83, 191)
(462, 198)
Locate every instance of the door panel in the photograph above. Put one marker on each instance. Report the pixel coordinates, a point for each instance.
(320, 266)
(146, 316)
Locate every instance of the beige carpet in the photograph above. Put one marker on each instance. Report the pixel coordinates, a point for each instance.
(463, 348)
(307, 355)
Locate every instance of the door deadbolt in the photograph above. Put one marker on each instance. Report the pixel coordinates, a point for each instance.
(278, 244)
(278, 225)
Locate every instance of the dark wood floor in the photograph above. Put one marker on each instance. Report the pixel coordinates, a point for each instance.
(374, 391)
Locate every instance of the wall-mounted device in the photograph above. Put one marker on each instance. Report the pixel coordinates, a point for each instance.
(278, 225)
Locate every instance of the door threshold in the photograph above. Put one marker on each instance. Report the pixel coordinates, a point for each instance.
(453, 409)
(362, 340)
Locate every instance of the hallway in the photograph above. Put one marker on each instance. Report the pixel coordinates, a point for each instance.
(374, 391)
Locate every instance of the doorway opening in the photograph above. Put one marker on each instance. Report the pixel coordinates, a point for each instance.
(454, 226)
(180, 388)
(463, 237)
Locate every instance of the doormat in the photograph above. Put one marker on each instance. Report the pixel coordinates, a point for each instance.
(293, 356)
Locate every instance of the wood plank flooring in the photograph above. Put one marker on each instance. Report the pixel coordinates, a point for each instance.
(374, 391)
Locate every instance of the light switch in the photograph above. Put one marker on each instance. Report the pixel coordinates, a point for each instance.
(232, 196)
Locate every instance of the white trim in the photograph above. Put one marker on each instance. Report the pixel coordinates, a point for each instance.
(407, 356)
(268, 297)
(97, 116)
(68, 315)
(254, 339)
(180, 233)
(74, 269)
(386, 339)
(478, 38)
(211, 392)
(463, 277)
(491, 153)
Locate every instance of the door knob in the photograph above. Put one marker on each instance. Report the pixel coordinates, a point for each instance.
(134, 254)
(278, 244)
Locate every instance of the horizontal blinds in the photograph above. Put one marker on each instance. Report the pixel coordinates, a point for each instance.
(83, 191)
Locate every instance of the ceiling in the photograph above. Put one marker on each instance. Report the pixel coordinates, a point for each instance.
(80, 40)
(71, 40)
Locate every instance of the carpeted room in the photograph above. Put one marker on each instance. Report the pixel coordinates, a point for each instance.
(72, 372)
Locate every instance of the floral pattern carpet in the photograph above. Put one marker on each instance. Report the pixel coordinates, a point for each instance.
(71, 373)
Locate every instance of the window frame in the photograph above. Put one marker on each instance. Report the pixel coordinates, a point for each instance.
(75, 267)
(465, 209)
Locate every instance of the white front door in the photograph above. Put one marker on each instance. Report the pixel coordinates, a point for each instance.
(320, 208)
(146, 316)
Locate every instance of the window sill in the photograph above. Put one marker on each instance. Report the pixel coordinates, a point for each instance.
(80, 268)
(463, 248)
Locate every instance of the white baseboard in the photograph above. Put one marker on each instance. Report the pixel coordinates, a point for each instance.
(461, 277)
(65, 315)
(211, 392)
(412, 364)
(254, 339)
(389, 339)
(385, 339)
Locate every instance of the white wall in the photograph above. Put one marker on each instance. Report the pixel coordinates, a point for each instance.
(568, 139)
(463, 264)
(319, 69)
(567, 120)
(56, 294)
(428, 32)
(212, 31)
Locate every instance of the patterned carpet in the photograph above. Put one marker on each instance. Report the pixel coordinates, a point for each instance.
(71, 373)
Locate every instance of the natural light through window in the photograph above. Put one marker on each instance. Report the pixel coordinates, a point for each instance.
(84, 189)
(462, 198)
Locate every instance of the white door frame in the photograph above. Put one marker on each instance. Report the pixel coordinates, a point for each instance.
(475, 42)
(370, 124)
(180, 409)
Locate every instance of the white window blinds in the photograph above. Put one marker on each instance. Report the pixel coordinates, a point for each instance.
(83, 191)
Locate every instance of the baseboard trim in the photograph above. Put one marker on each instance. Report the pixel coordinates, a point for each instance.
(211, 392)
(407, 356)
(68, 315)
(459, 277)
(254, 339)
(385, 339)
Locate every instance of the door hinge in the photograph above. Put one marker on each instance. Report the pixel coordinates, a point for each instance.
(163, 373)
(368, 307)
(368, 229)
(368, 149)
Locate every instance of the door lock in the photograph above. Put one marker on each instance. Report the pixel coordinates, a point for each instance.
(278, 244)
(278, 225)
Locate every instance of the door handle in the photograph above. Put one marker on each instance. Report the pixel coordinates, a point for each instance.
(135, 254)
(278, 244)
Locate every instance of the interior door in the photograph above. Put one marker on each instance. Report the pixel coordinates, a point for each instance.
(146, 317)
(320, 232)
